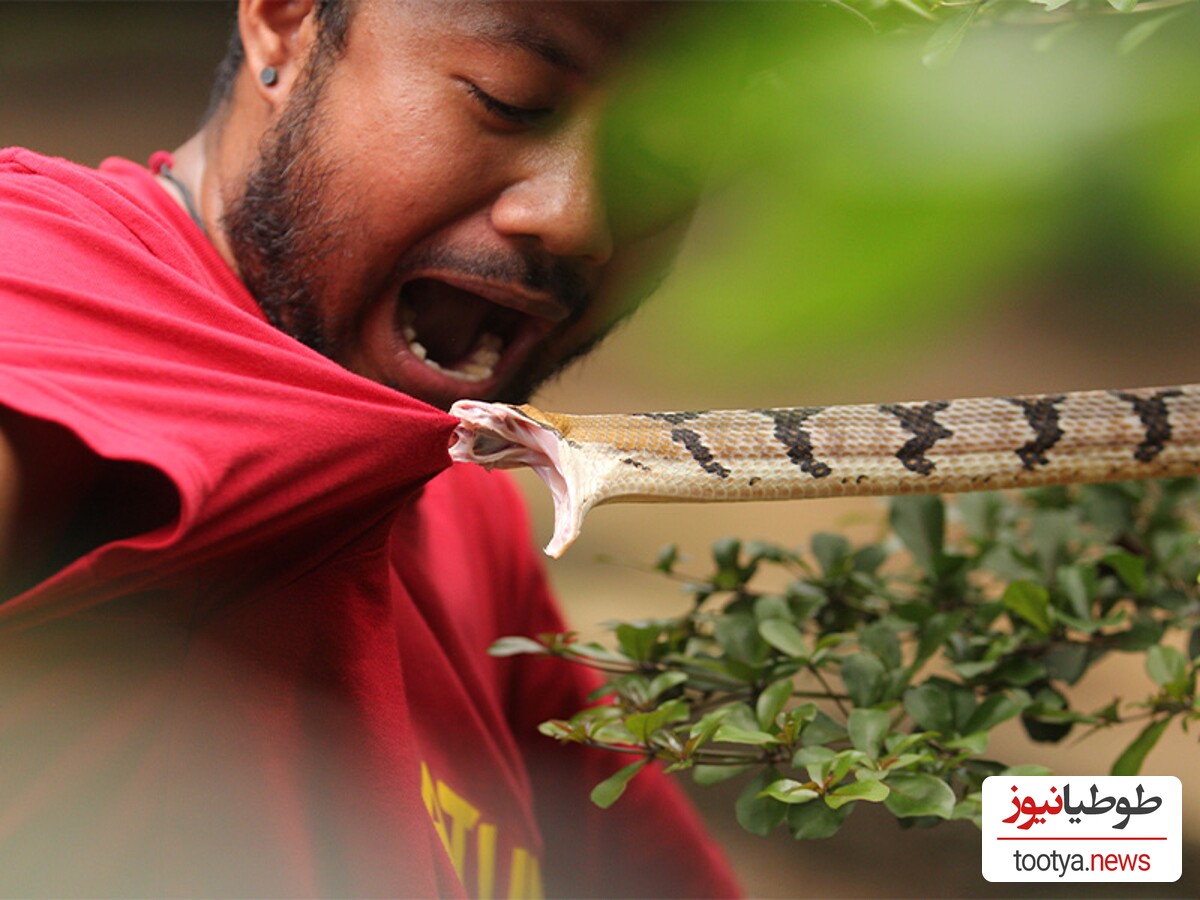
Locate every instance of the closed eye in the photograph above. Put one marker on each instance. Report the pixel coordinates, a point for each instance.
(514, 115)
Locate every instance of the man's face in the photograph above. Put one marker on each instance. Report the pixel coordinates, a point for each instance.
(425, 210)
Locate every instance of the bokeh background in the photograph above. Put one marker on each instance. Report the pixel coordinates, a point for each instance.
(1023, 217)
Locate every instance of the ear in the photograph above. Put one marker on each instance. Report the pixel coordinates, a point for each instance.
(279, 34)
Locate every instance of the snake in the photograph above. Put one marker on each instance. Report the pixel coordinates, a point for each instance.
(923, 447)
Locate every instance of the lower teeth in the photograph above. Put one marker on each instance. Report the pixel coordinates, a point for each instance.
(480, 364)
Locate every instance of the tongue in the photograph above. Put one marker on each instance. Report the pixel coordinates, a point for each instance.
(447, 320)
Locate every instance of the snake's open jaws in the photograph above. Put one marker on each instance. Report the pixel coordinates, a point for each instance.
(496, 435)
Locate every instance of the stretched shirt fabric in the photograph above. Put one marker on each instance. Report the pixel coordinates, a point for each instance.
(257, 665)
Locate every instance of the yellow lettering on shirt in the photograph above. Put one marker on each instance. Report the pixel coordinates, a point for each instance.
(525, 876)
(486, 844)
(463, 817)
(459, 825)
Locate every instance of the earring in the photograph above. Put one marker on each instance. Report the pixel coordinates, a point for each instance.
(268, 76)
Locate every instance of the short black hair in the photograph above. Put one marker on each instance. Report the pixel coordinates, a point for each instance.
(333, 23)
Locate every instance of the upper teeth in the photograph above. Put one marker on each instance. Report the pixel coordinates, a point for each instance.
(478, 365)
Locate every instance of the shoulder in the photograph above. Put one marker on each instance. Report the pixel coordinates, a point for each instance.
(113, 222)
(58, 188)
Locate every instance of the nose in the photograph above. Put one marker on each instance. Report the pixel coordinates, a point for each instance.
(557, 201)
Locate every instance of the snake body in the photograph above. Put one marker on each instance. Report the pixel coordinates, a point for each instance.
(974, 444)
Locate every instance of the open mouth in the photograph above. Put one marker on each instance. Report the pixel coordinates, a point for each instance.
(472, 331)
(455, 331)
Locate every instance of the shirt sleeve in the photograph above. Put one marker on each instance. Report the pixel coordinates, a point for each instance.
(143, 348)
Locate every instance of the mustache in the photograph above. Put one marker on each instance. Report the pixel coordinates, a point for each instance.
(540, 273)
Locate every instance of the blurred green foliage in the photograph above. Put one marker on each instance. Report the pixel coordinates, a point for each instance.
(861, 195)
(877, 672)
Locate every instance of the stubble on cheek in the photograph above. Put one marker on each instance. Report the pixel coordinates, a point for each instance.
(282, 223)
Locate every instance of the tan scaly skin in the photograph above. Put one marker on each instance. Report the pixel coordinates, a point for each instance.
(985, 443)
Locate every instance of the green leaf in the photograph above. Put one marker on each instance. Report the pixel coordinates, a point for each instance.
(920, 522)
(643, 725)
(771, 606)
(738, 634)
(996, 709)
(870, 791)
(732, 734)
(862, 674)
(929, 706)
(841, 765)
(664, 681)
(974, 669)
(1165, 664)
(867, 728)
(1169, 669)
(1018, 671)
(815, 821)
(562, 731)
(513, 646)
(638, 640)
(771, 702)
(919, 794)
(756, 813)
(1042, 720)
(1028, 769)
(1030, 602)
(705, 775)
(785, 637)
(1066, 662)
(945, 41)
(1143, 632)
(822, 729)
(609, 791)
(970, 808)
(869, 558)
(831, 550)
(726, 553)
(788, 790)
(1078, 583)
(1130, 569)
(667, 557)
(1050, 532)
(598, 652)
(1131, 759)
(974, 743)
(935, 631)
(881, 640)
(1124, 6)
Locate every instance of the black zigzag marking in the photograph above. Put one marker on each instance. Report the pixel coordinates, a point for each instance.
(1155, 419)
(1042, 416)
(789, 431)
(926, 430)
(690, 439)
(700, 453)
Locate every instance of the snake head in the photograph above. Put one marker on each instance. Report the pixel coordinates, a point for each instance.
(501, 436)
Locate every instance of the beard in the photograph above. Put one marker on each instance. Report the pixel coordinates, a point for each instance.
(276, 227)
(284, 226)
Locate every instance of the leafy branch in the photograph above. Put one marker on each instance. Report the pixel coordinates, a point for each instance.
(876, 673)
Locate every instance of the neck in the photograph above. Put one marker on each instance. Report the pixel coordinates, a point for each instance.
(191, 167)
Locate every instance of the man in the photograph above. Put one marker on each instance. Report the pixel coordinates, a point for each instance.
(246, 600)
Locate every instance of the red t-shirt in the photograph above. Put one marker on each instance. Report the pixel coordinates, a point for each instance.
(258, 666)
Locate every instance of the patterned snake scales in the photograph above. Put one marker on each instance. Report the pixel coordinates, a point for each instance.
(835, 451)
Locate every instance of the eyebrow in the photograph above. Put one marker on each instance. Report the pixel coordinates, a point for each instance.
(535, 43)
